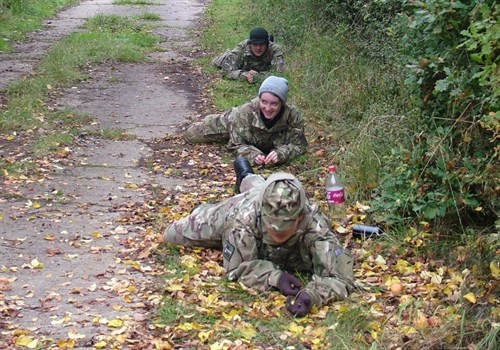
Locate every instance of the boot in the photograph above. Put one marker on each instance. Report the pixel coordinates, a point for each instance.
(242, 168)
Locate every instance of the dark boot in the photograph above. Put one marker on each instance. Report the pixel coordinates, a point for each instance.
(242, 168)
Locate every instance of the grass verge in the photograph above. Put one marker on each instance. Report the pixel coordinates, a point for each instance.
(18, 17)
(29, 105)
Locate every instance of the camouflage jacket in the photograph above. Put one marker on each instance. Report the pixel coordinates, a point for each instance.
(249, 137)
(240, 60)
(252, 257)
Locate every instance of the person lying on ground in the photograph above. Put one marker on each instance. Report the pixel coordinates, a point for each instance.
(267, 130)
(268, 234)
(252, 59)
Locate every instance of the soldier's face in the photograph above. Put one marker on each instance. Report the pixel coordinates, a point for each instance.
(281, 237)
(258, 49)
(270, 105)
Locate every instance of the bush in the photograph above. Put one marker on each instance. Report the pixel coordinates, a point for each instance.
(449, 168)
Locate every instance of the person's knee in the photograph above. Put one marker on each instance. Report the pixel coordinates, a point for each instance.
(192, 134)
(174, 234)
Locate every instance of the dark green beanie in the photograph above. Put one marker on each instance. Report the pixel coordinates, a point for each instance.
(258, 36)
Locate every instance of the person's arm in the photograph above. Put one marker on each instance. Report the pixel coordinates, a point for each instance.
(239, 132)
(232, 67)
(275, 64)
(293, 143)
(241, 262)
(333, 277)
(278, 61)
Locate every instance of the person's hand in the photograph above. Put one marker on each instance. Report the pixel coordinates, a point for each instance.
(288, 284)
(260, 159)
(272, 158)
(301, 306)
(249, 75)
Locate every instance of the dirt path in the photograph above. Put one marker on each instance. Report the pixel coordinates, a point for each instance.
(75, 264)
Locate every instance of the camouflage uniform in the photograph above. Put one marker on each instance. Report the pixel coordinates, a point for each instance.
(240, 60)
(247, 134)
(250, 254)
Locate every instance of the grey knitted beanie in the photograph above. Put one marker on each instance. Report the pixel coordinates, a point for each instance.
(275, 85)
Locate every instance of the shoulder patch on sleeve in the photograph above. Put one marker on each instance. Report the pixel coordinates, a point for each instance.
(228, 250)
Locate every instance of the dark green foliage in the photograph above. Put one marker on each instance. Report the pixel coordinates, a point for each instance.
(449, 167)
(446, 164)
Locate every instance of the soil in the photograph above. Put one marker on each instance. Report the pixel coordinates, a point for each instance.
(77, 268)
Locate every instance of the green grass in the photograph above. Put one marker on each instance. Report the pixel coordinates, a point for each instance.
(109, 38)
(148, 16)
(17, 168)
(18, 17)
(344, 94)
(51, 142)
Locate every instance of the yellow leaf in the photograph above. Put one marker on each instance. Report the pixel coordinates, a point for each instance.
(36, 264)
(341, 229)
(216, 346)
(96, 234)
(100, 345)
(72, 334)
(204, 336)
(160, 345)
(36, 205)
(470, 297)
(495, 269)
(66, 343)
(23, 340)
(122, 338)
(248, 332)
(186, 326)
(229, 316)
(295, 328)
(115, 323)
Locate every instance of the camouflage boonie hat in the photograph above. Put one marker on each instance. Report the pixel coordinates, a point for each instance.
(282, 201)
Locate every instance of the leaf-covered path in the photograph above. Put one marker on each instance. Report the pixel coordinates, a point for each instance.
(76, 237)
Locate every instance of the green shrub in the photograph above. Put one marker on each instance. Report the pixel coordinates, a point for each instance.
(449, 167)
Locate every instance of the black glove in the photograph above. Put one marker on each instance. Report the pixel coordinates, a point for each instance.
(288, 284)
(300, 306)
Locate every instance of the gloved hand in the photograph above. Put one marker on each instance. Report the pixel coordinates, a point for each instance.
(301, 306)
(288, 284)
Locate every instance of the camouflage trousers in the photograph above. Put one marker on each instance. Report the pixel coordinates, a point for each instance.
(206, 224)
(213, 128)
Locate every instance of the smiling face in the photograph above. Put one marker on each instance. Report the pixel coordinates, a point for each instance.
(258, 49)
(281, 237)
(270, 105)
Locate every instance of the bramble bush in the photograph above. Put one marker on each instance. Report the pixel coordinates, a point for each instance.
(449, 167)
(446, 167)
